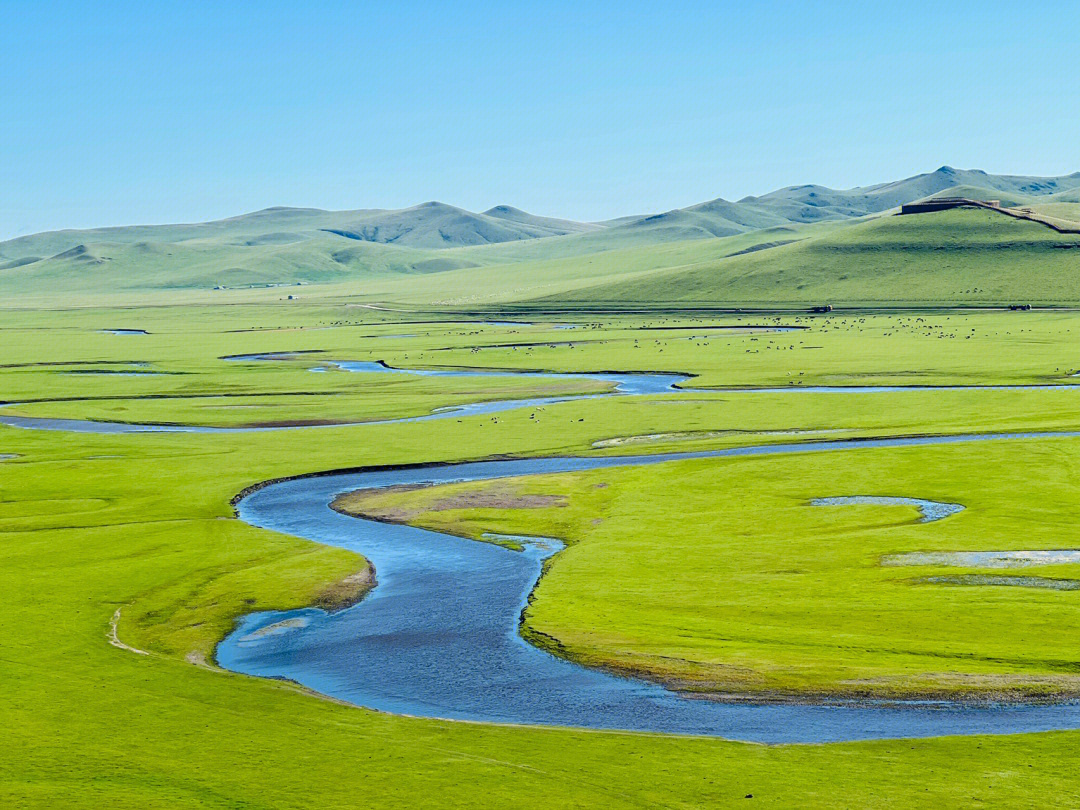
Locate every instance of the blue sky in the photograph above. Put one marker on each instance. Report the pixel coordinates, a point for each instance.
(121, 113)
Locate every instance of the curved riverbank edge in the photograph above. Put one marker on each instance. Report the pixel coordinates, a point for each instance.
(1052, 690)
(901, 440)
(904, 439)
(366, 468)
(619, 383)
(472, 408)
(1030, 693)
(344, 593)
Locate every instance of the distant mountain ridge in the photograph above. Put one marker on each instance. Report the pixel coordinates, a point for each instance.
(874, 199)
(289, 246)
(430, 225)
(812, 203)
(436, 226)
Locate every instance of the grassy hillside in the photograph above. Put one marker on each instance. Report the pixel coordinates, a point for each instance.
(947, 258)
(873, 199)
(114, 261)
(811, 203)
(955, 257)
(329, 266)
(430, 225)
(539, 281)
(702, 253)
(436, 225)
(1065, 211)
(106, 268)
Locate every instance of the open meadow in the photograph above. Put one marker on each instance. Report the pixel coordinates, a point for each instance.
(125, 563)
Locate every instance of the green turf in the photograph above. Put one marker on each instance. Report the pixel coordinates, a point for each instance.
(142, 524)
(950, 258)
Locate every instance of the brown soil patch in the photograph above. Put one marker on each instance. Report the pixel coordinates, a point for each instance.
(371, 503)
(348, 591)
(495, 500)
(284, 423)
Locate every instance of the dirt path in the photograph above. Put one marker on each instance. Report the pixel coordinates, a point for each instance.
(116, 642)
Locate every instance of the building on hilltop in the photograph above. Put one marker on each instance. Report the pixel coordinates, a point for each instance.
(1029, 214)
(945, 203)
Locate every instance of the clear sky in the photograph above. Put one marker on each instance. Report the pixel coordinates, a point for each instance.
(142, 112)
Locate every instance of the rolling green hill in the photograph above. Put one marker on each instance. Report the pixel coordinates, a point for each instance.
(811, 203)
(717, 252)
(545, 282)
(113, 267)
(952, 257)
(874, 199)
(435, 225)
(431, 225)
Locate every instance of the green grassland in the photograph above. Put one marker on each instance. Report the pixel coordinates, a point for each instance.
(859, 349)
(142, 524)
(294, 400)
(948, 258)
(55, 378)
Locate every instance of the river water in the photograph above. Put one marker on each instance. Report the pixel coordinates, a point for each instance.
(438, 636)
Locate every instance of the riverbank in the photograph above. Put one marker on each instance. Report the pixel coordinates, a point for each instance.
(143, 522)
(493, 506)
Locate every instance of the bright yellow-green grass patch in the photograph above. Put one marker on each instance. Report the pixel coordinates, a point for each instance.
(834, 350)
(93, 524)
(949, 258)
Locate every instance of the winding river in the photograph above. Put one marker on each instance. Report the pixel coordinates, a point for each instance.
(438, 637)
(625, 384)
